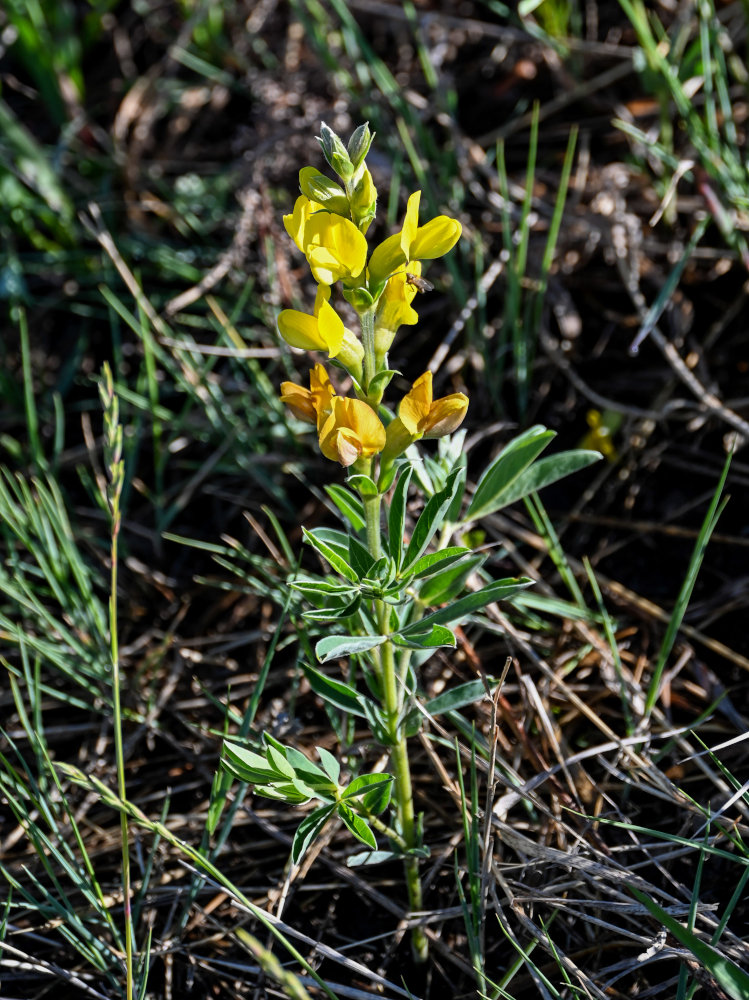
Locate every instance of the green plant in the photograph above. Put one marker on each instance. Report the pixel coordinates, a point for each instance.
(389, 600)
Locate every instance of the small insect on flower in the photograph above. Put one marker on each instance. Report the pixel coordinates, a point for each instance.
(420, 284)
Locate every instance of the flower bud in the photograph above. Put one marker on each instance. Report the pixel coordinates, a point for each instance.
(335, 153)
(323, 191)
(359, 143)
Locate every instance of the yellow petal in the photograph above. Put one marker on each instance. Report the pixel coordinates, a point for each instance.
(300, 401)
(386, 259)
(415, 406)
(342, 240)
(435, 238)
(397, 438)
(446, 415)
(300, 330)
(352, 429)
(296, 223)
(330, 328)
(410, 225)
(326, 267)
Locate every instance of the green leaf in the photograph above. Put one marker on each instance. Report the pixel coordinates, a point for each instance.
(246, 765)
(365, 783)
(313, 587)
(437, 635)
(501, 590)
(453, 511)
(307, 769)
(381, 381)
(379, 857)
(278, 760)
(397, 515)
(338, 563)
(333, 646)
(433, 562)
(514, 458)
(349, 505)
(542, 473)
(377, 799)
(430, 520)
(357, 825)
(457, 697)
(364, 484)
(330, 764)
(729, 976)
(333, 611)
(308, 829)
(282, 792)
(450, 582)
(335, 692)
(359, 557)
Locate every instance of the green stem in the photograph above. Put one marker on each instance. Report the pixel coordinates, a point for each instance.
(368, 343)
(392, 696)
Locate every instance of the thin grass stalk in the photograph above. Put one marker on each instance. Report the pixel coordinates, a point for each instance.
(116, 469)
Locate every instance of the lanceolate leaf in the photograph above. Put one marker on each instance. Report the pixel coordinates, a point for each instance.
(246, 765)
(457, 697)
(544, 472)
(433, 562)
(430, 520)
(397, 515)
(506, 467)
(348, 504)
(437, 635)
(329, 553)
(365, 783)
(450, 582)
(357, 826)
(308, 829)
(333, 646)
(502, 590)
(335, 692)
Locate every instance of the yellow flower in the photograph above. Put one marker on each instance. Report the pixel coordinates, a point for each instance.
(352, 431)
(420, 416)
(323, 331)
(394, 309)
(334, 247)
(296, 222)
(412, 243)
(431, 418)
(312, 405)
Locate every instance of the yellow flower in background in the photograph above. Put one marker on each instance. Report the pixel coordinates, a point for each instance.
(412, 243)
(352, 431)
(421, 416)
(312, 405)
(323, 331)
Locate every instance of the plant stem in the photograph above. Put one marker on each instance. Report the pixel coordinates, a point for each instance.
(368, 343)
(393, 704)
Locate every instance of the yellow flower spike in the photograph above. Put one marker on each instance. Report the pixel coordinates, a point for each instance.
(423, 416)
(352, 431)
(334, 248)
(312, 405)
